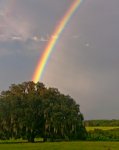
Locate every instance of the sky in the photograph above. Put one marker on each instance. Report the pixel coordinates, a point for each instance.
(85, 61)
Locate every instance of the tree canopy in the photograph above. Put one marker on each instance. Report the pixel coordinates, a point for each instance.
(30, 110)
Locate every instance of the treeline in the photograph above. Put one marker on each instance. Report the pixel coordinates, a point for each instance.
(106, 123)
(30, 110)
(100, 134)
(103, 135)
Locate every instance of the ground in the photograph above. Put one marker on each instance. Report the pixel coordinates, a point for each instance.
(62, 146)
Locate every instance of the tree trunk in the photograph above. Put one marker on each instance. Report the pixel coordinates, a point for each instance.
(30, 136)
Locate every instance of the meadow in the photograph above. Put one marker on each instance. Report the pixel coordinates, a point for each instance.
(81, 145)
(101, 128)
(62, 146)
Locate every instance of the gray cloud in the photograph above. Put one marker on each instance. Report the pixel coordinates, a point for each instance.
(90, 65)
(84, 62)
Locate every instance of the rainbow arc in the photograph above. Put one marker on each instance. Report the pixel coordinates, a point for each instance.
(52, 42)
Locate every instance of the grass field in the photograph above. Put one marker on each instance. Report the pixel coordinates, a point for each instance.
(102, 128)
(62, 146)
(23, 145)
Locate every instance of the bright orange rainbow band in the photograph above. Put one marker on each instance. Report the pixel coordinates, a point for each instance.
(56, 34)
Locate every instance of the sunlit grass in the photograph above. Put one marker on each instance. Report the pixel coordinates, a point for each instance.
(10, 141)
(102, 128)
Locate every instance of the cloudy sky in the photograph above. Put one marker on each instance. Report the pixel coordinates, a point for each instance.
(85, 60)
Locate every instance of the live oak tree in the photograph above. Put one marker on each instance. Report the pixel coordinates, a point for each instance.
(30, 110)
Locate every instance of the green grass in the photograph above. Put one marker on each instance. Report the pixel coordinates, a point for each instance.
(102, 128)
(62, 146)
(10, 141)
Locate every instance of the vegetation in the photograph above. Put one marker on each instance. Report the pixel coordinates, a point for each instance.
(101, 128)
(63, 146)
(103, 135)
(30, 110)
(105, 123)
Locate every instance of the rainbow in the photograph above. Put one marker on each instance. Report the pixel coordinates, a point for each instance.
(52, 42)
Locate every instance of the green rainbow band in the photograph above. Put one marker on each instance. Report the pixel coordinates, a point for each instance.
(52, 42)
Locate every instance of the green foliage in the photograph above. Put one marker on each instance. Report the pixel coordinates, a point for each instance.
(105, 123)
(103, 135)
(102, 130)
(30, 110)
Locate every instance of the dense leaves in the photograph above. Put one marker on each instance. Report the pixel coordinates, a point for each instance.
(30, 110)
